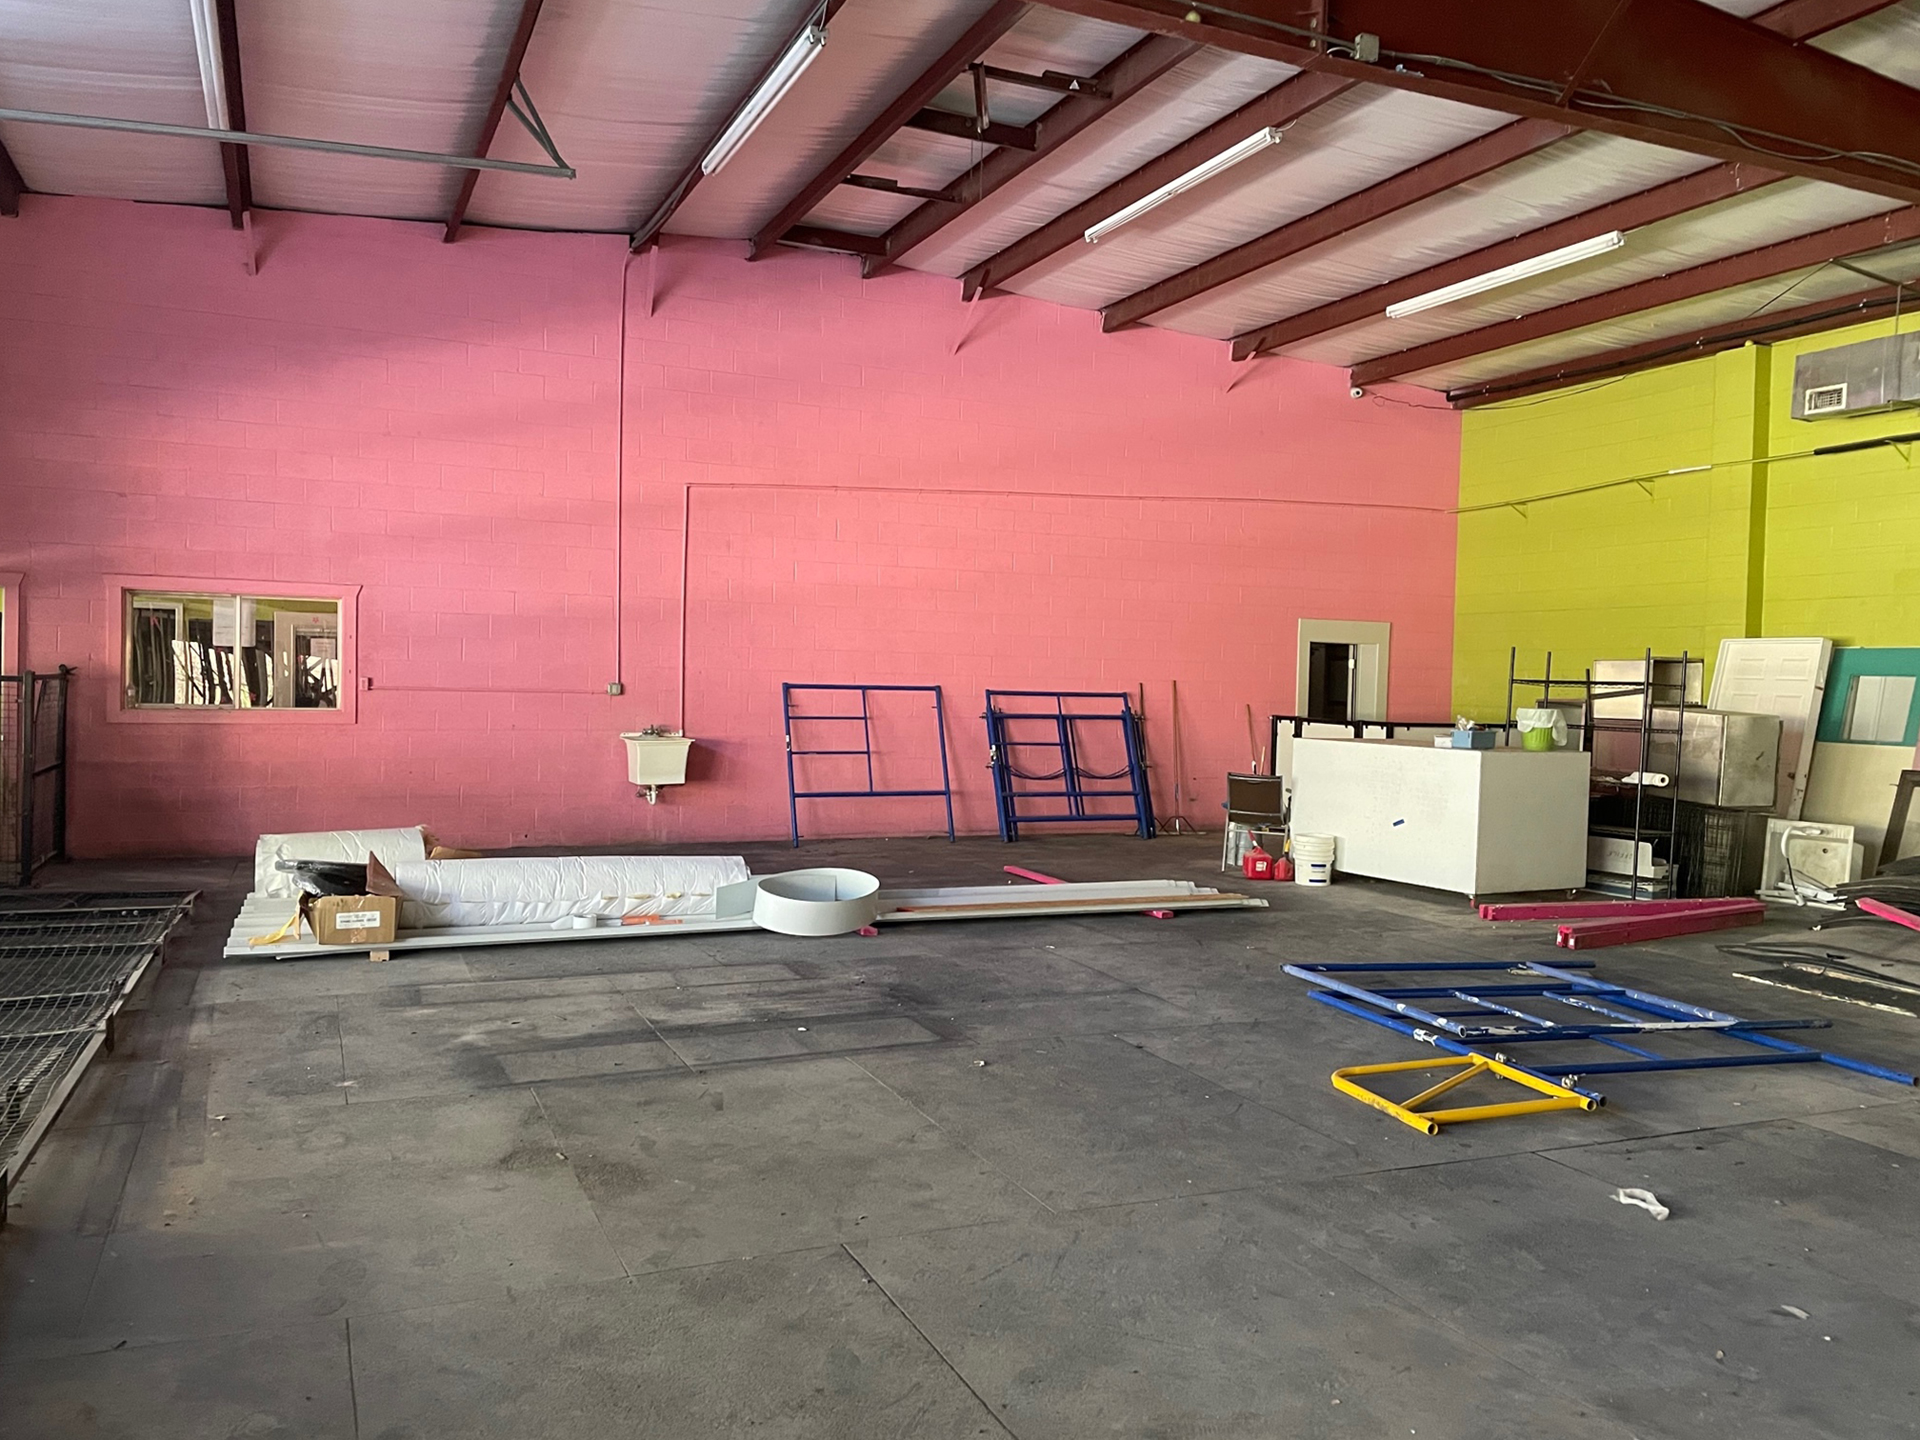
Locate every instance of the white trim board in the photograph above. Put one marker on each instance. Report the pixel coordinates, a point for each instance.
(262, 915)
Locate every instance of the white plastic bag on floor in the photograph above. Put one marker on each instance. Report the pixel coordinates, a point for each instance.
(351, 847)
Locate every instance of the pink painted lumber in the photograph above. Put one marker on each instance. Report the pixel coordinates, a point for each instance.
(1604, 909)
(1890, 912)
(1595, 934)
(1033, 875)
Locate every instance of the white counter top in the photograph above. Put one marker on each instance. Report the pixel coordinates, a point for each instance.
(1479, 822)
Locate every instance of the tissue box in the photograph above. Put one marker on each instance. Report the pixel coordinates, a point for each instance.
(1466, 740)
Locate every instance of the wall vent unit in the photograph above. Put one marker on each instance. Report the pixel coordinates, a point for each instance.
(1822, 399)
(1858, 379)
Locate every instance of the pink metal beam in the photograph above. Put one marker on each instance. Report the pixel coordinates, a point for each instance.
(1606, 909)
(1597, 934)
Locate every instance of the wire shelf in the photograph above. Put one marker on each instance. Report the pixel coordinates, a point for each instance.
(67, 963)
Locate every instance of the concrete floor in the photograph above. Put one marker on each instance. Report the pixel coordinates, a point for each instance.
(1047, 1179)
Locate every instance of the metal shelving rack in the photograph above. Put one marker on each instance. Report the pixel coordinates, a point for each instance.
(1649, 692)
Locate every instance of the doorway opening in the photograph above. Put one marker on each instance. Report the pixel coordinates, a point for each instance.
(1341, 670)
(1333, 676)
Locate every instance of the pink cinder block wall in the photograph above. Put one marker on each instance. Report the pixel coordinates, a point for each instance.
(826, 480)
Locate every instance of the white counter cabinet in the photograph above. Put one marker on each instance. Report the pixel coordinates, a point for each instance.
(1480, 822)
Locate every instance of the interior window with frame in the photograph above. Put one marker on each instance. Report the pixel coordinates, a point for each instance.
(201, 651)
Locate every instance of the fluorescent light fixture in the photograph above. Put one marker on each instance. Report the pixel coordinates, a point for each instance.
(213, 78)
(1508, 274)
(1200, 174)
(792, 65)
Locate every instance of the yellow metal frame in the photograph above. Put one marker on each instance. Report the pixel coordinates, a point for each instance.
(1408, 1112)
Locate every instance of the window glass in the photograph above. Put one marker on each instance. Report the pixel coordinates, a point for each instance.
(232, 652)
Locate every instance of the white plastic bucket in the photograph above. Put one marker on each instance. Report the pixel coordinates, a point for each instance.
(1313, 859)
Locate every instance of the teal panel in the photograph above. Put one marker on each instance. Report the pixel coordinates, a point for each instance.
(1855, 660)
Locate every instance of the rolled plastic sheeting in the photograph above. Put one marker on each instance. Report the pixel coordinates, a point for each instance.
(827, 901)
(557, 890)
(394, 847)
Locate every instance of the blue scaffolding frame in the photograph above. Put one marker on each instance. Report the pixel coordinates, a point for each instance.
(1078, 785)
(1491, 1018)
(865, 749)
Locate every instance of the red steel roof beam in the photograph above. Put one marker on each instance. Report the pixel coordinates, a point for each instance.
(1286, 102)
(998, 20)
(1396, 192)
(1804, 19)
(1662, 202)
(1138, 68)
(12, 187)
(1669, 72)
(496, 108)
(1674, 349)
(234, 163)
(1837, 242)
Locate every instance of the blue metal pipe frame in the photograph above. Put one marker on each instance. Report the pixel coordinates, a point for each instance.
(795, 794)
(1074, 791)
(1391, 1010)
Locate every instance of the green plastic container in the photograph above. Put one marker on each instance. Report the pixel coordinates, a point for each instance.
(1536, 740)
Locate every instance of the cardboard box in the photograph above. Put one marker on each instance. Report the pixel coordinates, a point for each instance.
(354, 919)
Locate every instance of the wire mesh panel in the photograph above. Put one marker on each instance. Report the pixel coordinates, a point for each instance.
(12, 787)
(67, 963)
(33, 773)
(46, 770)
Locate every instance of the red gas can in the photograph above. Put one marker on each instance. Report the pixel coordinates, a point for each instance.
(1258, 864)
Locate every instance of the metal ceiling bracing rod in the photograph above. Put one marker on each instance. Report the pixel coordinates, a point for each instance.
(503, 96)
(234, 163)
(1676, 73)
(649, 229)
(1860, 237)
(1293, 97)
(1433, 177)
(1001, 17)
(1117, 82)
(1662, 202)
(1671, 349)
(559, 169)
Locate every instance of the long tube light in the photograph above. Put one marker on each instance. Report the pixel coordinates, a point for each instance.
(1508, 274)
(1199, 175)
(790, 67)
(213, 79)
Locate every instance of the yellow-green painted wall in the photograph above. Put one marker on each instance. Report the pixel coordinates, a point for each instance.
(1826, 545)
